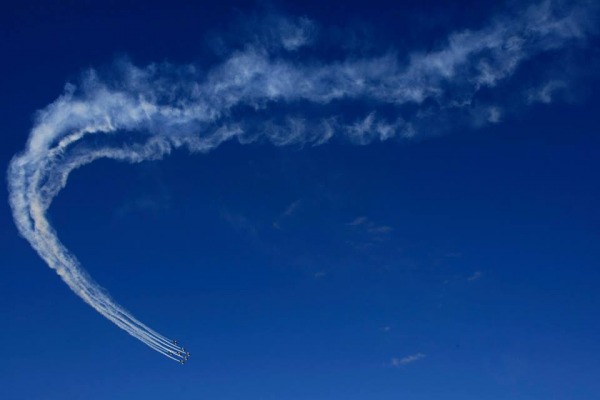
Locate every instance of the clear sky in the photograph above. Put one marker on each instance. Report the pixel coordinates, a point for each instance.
(406, 207)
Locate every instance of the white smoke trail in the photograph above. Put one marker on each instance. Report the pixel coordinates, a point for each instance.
(173, 107)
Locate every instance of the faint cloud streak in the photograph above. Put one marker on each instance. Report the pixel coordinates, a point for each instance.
(476, 276)
(400, 362)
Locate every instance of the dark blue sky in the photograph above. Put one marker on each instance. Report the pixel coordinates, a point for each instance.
(463, 264)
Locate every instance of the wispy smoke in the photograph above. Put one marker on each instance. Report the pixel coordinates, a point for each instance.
(262, 92)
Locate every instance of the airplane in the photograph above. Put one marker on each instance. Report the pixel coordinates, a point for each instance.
(182, 362)
(174, 341)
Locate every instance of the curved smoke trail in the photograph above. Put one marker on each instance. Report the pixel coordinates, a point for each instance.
(145, 113)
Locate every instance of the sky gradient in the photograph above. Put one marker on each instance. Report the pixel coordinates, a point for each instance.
(362, 216)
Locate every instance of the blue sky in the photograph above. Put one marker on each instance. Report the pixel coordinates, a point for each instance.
(431, 232)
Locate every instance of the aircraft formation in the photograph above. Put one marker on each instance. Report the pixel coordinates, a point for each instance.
(177, 353)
